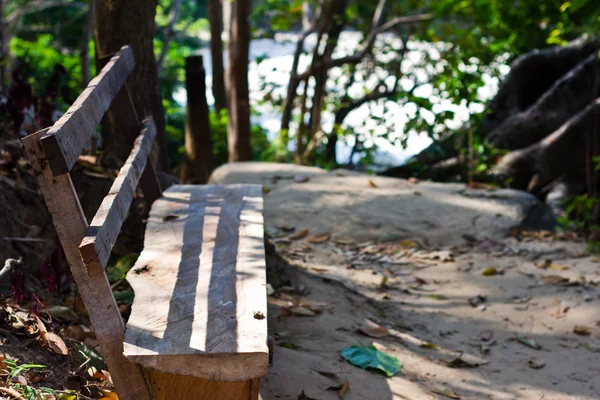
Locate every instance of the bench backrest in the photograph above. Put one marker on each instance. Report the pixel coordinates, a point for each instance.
(52, 153)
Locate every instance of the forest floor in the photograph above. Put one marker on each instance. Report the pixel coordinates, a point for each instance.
(516, 318)
(469, 311)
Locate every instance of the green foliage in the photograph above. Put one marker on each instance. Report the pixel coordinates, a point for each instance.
(578, 213)
(15, 369)
(261, 149)
(29, 392)
(116, 271)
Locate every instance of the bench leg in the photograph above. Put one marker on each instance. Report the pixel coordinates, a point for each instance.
(169, 386)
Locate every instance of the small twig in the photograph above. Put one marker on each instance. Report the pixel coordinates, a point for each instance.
(11, 392)
(20, 239)
(9, 265)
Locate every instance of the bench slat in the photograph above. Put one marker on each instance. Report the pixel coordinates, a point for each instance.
(102, 234)
(70, 135)
(200, 285)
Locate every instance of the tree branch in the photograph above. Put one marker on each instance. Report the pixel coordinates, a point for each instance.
(173, 15)
(35, 6)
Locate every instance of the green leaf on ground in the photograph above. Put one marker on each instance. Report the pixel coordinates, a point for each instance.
(369, 357)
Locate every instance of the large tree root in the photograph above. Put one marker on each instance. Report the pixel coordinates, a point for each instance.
(568, 95)
(562, 156)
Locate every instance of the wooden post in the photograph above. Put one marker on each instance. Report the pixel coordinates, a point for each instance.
(198, 141)
(71, 226)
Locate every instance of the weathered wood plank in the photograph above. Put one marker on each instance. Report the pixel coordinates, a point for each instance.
(200, 298)
(71, 225)
(129, 128)
(70, 135)
(169, 387)
(102, 234)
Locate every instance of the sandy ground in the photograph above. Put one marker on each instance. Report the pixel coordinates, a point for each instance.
(422, 296)
(432, 265)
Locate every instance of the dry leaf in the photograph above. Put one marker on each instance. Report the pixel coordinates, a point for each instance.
(54, 342)
(413, 181)
(372, 184)
(319, 238)
(299, 235)
(343, 389)
(528, 342)
(373, 330)
(582, 330)
(554, 280)
(490, 272)
(108, 395)
(301, 179)
(428, 345)
(560, 312)
(408, 244)
(302, 311)
(536, 363)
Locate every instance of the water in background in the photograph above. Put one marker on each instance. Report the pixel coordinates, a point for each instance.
(276, 56)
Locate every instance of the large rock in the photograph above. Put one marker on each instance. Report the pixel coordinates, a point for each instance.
(358, 207)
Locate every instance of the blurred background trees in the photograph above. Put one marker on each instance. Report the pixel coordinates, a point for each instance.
(355, 83)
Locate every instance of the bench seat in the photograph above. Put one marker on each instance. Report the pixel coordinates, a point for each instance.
(200, 285)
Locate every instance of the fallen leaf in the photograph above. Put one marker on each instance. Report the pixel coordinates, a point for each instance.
(528, 342)
(582, 330)
(408, 244)
(266, 189)
(372, 184)
(303, 396)
(299, 235)
(428, 345)
(343, 389)
(490, 272)
(536, 363)
(302, 311)
(486, 336)
(413, 181)
(301, 179)
(476, 301)
(369, 357)
(554, 280)
(54, 342)
(108, 395)
(373, 330)
(437, 296)
(447, 393)
(62, 313)
(591, 348)
(319, 238)
(460, 362)
(560, 312)
(288, 345)
(558, 267)
(417, 193)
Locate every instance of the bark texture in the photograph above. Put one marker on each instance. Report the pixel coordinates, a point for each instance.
(131, 22)
(237, 82)
(198, 140)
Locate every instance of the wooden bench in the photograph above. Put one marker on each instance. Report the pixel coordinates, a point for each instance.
(198, 327)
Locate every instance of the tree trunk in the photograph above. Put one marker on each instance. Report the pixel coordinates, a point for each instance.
(84, 52)
(131, 22)
(215, 11)
(4, 81)
(198, 141)
(237, 82)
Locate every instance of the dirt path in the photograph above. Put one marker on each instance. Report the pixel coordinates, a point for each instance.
(423, 296)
